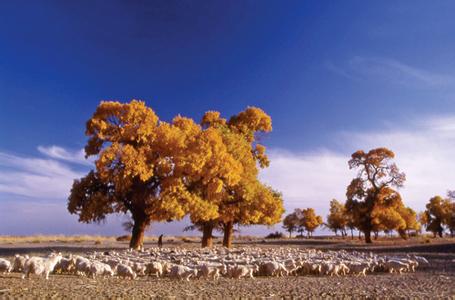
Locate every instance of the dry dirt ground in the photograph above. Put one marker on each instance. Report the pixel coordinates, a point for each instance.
(434, 281)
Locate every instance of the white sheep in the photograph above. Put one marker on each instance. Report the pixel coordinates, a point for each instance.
(100, 269)
(396, 266)
(154, 268)
(19, 262)
(5, 266)
(182, 272)
(240, 271)
(41, 265)
(66, 265)
(139, 268)
(358, 269)
(82, 265)
(273, 268)
(125, 271)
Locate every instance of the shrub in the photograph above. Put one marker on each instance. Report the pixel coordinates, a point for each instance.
(123, 238)
(275, 235)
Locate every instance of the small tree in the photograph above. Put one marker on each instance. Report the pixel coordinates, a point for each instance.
(411, 220)
(291, 223)
(337, 218)
(309, 220)
(439, 214)
(450, 218)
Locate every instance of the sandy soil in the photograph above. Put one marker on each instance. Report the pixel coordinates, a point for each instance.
(435, 281)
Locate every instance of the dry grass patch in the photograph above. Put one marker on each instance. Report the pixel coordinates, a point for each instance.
(37, 239)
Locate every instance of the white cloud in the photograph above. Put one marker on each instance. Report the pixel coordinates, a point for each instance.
(392, 71)
(35, 177)
(308, 179)
(424, 151)
(60, 153)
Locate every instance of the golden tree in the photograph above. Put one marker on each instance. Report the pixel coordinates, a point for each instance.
(410, 219)
(438, 214)
(450, 218)
(141, 167)
(337, 220)
(244, 200)
(309, 220)
(423, 219)
(371, 198)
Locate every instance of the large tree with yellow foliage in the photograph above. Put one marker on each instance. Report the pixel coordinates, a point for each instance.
(141, 167)
(245, 201)
(372, 201)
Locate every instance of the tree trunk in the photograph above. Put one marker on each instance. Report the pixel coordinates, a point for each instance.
(228, 234)
(137, 237)
(352, 233)
(207, 238)
(368, 237)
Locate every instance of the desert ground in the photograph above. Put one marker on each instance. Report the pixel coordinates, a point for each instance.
(434, 281)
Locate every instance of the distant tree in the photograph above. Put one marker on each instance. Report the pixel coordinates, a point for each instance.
(424, 219)
(371, 199)
(450, 219)
(411, 220)
(350, 220)
(439, 212)
(291, 223)
(337, 219)
(309, 220)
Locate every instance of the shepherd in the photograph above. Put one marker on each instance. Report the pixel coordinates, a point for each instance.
(160, 241)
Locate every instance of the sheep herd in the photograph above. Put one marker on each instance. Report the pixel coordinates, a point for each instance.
(186, 264)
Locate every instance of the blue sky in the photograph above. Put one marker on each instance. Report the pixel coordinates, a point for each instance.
(334, 76)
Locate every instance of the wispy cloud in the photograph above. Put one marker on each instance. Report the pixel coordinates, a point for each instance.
(60, 153)
(392, 71)
(35, 177)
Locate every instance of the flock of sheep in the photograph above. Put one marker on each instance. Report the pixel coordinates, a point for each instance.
(213, 263)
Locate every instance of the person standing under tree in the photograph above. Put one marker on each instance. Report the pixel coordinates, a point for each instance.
(160, 241)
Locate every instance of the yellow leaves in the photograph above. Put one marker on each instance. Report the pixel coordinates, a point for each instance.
(310, 220)
(215, 187)
(116, 122)
(251, 120)
(121, 163)
(338, 216)
(212, 119)
(261, 156)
